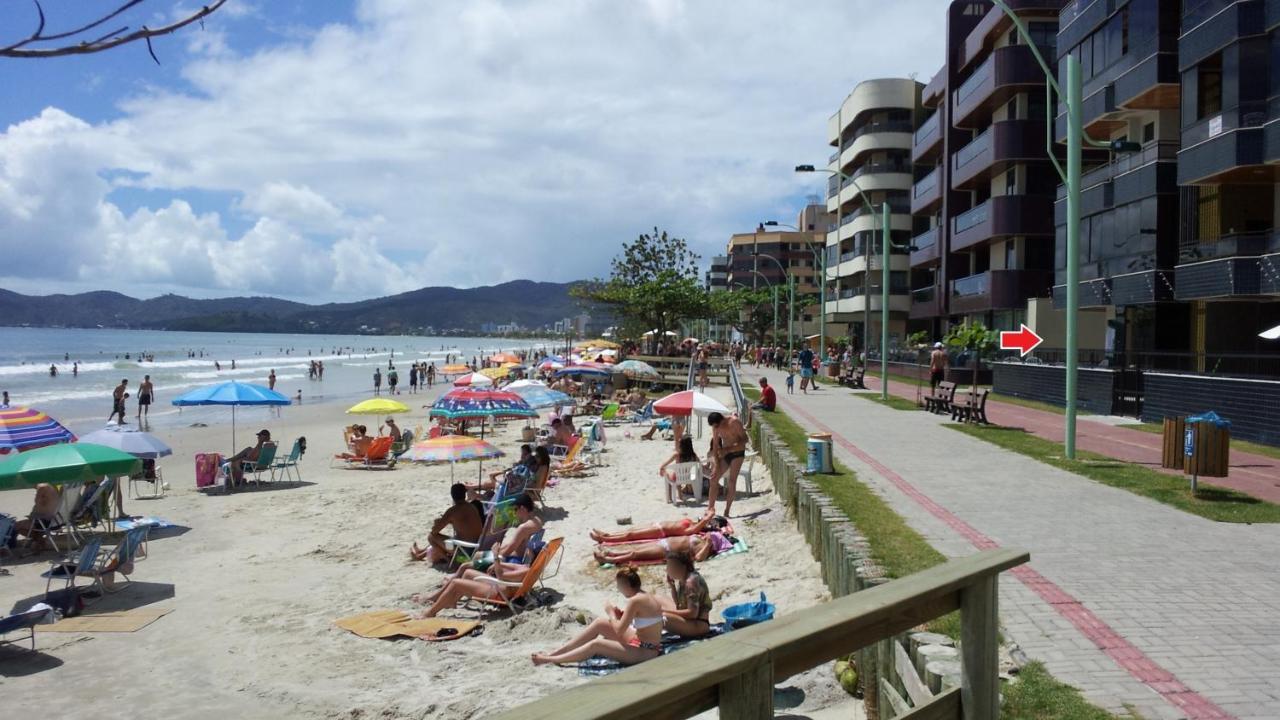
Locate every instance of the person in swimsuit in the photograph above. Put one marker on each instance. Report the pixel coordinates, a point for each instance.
(146, 394)
(462, 517)
(672, 528)
(118, 396)
(630, 635)
(729, 440)
(699, 547)
(688, 611)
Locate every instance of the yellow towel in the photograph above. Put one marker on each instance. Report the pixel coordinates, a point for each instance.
(118, 621)
(390, 623)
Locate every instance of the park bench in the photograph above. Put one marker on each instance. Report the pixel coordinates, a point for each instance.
(855, 378)
(941, 399)
(973, 410)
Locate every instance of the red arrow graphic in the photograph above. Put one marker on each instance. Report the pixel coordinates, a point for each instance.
(1024, 340)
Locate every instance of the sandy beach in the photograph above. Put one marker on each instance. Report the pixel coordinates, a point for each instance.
(255, 580)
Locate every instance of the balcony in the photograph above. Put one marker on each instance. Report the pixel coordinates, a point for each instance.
(1209, 25)
(928, 139)
(926, 194)
(1228, 147)
(995, 22)
(999, 290)
(927, 303)
(1008, 71)
(1004, 143)
(934, 92)
(1002, 216)
(927, 247)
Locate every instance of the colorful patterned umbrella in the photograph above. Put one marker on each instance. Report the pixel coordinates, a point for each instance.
(68, 463)
(452, 449)
(27, 429)
(474, 403)
(636, 369)
(540, 397)
(472, 379)
(586, 369)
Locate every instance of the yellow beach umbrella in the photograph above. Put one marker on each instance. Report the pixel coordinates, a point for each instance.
(600, 343)
(455, 370)
(496, 373)
(378, 406)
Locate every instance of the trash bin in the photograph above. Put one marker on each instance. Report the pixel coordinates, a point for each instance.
(1173, 454)
(1208, 445)
(820, 453)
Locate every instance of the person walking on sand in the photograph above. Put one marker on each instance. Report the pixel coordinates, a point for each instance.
(937, 366)
(377, 381)
(729, 446)
(271, 380)
(118, 397)
(146, 396)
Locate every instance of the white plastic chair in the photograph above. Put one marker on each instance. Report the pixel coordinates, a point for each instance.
(689, 473)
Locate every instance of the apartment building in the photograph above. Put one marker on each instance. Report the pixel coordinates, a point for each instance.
(771, 255)
(871, 135)
(984, 186)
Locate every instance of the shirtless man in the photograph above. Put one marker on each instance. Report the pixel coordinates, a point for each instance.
(249, 454)
(464, 518)
(146, 395)
(729, 443)
(44, 508)
(118, 397)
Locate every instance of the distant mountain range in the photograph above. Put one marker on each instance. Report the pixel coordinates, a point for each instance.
(527, 303)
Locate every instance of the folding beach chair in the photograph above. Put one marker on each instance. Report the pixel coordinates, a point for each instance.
(95, 506)
(71, 567)
(266, 457)
(506, 593)
(499, 517)
(69, 502)
(25, 620)
(150, 475)
(289, 464)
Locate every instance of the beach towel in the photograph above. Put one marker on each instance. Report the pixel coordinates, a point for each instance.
(207, 467)
(739, 546)
(598, 665)
(120, 621)
(393, 623)
(154, 523)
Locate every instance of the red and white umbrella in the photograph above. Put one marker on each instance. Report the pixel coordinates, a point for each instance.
(689, 402)
(473, 379)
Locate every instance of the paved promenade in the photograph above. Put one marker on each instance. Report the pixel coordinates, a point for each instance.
(1136, 603)
(1256, 475)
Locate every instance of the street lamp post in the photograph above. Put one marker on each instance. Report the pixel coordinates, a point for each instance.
(791, 299)
(886, 242)
(1076, 139)
(819, 262)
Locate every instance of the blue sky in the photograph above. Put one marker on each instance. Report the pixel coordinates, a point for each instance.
(328, 150)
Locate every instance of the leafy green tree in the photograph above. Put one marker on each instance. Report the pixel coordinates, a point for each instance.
(750, 311)
(973, 338)
(653, 284)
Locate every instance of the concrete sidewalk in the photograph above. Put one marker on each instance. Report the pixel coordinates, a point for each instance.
(1134, 602)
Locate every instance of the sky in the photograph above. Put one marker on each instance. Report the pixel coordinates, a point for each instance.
(325, 150)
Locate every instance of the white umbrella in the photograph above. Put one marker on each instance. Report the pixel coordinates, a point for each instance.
(474, 380)
(524, 383)
(1272, 334)
(689, 402)
(130, 440)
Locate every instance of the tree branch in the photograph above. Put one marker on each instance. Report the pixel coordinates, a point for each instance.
(20, 49)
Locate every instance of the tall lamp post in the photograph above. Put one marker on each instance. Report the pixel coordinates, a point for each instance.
(791, 300)
(886, 242)
(1076, 139)
(819, 262)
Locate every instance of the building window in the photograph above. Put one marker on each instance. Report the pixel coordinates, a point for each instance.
(1209, 87)
(1011, 181)
(1011, 255)
(1148, 132)
(1011, 110)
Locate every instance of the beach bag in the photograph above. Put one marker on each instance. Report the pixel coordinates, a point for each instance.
(207, 468)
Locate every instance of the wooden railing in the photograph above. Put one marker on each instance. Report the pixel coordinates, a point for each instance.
(737, 671)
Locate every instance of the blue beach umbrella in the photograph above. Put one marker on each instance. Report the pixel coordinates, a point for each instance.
(234, 394)
(540, 397)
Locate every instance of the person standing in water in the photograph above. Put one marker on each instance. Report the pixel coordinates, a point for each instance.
(118, 397)
(146, 395)
(271, 380)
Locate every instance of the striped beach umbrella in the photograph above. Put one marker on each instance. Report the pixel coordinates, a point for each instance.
(474, 403)
(471, 379)
(689, 402)
(636, 369)
(23, 428)
(452, 449)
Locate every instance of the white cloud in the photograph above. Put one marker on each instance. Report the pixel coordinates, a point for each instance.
(479, 142)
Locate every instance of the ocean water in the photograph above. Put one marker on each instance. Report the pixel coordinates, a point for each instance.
(105, 356)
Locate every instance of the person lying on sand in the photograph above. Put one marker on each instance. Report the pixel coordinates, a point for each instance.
(630, 635)
(688, 610)
(700, 547)
(658, 530)
(464, 518)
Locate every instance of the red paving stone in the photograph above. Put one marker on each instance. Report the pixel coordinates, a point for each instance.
(1255, 475)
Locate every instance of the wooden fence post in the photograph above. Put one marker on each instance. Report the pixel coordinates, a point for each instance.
(979, 680)
(748, 696)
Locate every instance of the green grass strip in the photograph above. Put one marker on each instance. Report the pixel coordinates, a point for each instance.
(1211, 502)
(1270, 451)
(1037, 695)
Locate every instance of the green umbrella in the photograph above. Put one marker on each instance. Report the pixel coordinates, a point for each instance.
(65, 463)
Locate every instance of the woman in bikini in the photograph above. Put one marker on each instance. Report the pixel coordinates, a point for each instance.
(688, 610)
(671, 528)
(699, 547)
(630, 635)
(729, 441)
